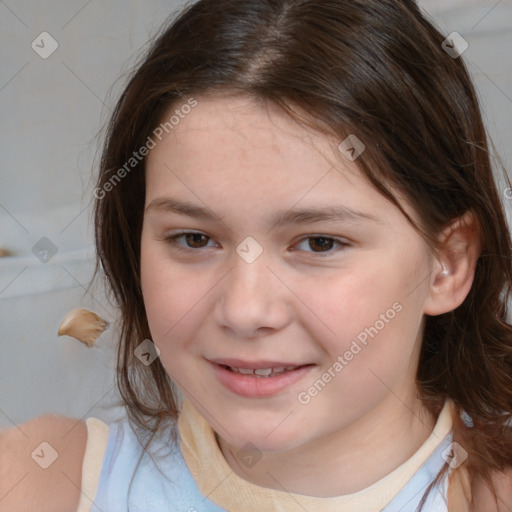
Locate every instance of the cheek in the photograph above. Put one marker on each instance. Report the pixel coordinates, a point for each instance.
(173, 298)
(158, 290)
(340, 307)
(368, 315)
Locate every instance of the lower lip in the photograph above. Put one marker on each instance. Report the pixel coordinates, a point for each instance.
(252, 386)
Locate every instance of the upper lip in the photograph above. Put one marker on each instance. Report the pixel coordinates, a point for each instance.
(255, 365)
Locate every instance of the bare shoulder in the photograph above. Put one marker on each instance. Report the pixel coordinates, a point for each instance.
(41, 465)
(502, 502)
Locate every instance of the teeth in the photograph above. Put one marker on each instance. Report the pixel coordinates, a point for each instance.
(245, 371)
(262, 372)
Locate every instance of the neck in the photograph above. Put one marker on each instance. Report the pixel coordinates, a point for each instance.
(347, 460)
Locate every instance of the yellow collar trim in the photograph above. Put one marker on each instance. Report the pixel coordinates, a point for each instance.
(220, 484)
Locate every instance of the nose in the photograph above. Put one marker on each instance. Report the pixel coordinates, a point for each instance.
(253, 299)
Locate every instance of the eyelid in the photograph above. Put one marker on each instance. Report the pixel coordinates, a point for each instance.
(342, 243)
(172, 238)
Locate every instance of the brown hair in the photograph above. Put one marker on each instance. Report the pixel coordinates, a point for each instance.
(373, 68)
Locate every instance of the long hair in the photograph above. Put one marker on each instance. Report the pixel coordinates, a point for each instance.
(374, 68)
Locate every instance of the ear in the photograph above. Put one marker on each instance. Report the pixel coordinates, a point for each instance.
(454, 266)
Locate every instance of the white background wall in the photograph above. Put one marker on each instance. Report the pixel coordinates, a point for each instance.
(51, 113)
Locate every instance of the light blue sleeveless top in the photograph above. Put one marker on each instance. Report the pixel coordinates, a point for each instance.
(170, 487)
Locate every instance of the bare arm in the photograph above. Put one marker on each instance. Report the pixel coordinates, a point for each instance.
(41, 465)
(483, 498)
(468, 494)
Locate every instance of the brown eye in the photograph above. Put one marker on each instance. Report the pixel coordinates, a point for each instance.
(322, 244)
(192, 240)
(195, 240)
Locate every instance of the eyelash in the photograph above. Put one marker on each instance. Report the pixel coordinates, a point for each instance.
(173, 240)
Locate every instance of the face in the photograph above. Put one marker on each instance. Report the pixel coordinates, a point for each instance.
(243, 276)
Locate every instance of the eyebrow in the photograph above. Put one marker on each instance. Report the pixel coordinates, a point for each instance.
(334, 213)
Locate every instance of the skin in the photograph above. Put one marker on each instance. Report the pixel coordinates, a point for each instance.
(295, 302)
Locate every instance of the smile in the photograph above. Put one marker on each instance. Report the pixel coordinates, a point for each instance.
(261, 372)
(258, 380)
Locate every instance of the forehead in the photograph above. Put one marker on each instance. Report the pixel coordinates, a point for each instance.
(241, 138)
(243, 125)
(239, 154)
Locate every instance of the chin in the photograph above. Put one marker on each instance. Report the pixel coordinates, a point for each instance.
(263, 445)
(263, 437)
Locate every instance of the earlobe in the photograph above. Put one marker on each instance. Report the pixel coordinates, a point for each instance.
(454, 269)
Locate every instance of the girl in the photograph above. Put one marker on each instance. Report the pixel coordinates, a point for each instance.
(297, 216)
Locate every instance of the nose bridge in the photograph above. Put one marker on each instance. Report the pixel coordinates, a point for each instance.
(251, 297)
(249, 279)
(250, 266)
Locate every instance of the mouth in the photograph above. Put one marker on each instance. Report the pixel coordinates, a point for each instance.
(259, 379)
(264, 373)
